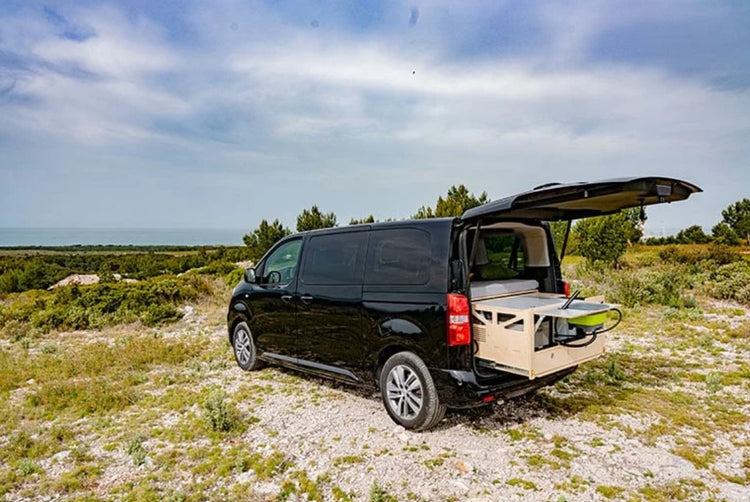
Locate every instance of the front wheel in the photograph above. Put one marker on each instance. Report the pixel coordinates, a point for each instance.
(409, 394)
(244, 348)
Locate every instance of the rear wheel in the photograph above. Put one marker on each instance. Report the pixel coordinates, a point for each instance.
(244, 348)
(409, 393)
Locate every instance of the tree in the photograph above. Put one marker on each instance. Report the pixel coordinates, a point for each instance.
(423, 213)
(313, 218)
(635, 217)
(603, 239)
(723, 234)
(737, 216)
(693, 234)
(457, 201)
(558, 229)
(368, 219)
(262, 238)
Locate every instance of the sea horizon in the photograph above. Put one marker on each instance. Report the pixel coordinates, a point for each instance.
(101, 236)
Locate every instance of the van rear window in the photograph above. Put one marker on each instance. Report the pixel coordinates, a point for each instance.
(399, 256)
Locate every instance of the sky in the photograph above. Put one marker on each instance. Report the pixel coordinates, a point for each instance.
(143, 114)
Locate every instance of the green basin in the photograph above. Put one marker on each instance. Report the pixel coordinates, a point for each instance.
(589, 320)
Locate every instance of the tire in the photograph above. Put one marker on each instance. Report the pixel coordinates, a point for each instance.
(243, 347)
(408, 392)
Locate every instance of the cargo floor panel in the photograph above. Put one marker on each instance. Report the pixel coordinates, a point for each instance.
(526, 334)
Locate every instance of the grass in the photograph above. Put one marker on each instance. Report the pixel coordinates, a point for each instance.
(161, 403)
(522, 483)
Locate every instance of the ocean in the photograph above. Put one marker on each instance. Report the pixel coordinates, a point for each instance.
(120, 236)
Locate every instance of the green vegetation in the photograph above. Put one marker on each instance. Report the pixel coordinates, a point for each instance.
(604, 239)
(33, 269)
(136, 450)
(735, 225)
(672, 276)
(135, 397)
(153, 301)
(217, 413)
(378, 494)
(313, 219)
(368, 219)
(737, 217)
(609, 492)
(456, 202)
(522, 483)
(262, 238)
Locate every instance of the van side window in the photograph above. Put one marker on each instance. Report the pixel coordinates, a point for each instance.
(399, 256)
(335, 259)
(281, 265)
(499, 256)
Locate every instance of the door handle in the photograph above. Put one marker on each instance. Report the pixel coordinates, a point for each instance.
(306, 299)
(286, 298)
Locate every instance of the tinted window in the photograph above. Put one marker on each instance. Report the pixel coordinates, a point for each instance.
(505, 250)
(399, 256)
(335, 259)
(284, 261)
(499, 256)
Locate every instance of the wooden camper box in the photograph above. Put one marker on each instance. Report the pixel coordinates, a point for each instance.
(521, 332)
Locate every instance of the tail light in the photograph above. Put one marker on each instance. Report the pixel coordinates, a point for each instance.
(459, 329)
(566, 288)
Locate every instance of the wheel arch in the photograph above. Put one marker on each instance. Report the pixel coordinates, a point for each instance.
(386, 353)
(238, 315)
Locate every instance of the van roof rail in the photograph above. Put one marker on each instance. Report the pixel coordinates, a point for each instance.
(546, 185)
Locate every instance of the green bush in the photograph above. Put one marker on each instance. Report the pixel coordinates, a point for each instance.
(716, 254)
(663, 285)
(15, 330)
(217, 268)
(162, 314)
(136, 450)
(155, 301)
(603, 239)
(234, 277)
(217, 413)
(20, 273)
(730, 282)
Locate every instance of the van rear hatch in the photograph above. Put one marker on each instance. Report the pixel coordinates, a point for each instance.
(573, 201)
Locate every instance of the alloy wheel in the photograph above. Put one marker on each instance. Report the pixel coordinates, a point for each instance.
(404, 391)
(243, 346)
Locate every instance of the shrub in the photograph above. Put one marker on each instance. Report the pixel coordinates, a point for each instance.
(162, 314)
(217, 268)
(714, 382)
(723, 255)
(216, 413)
(15, 330)
(730, 282)
(683, 254)
(234, 277)
(136, 450)
(664, 285)
(604, 238)
(154, 301)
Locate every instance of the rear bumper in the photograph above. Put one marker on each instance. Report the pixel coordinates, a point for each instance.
(462, 389)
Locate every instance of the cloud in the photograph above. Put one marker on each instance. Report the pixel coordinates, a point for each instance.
(358, 117)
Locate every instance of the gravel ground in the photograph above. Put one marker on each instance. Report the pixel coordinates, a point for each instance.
(342, 441)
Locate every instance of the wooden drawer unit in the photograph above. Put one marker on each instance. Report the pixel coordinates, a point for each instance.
(521, 334)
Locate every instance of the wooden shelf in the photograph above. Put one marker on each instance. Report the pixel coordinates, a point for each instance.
(510, 333)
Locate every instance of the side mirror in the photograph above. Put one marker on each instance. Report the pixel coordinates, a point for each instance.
(250, 275)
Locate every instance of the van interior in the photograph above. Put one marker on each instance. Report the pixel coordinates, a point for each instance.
(520, 324)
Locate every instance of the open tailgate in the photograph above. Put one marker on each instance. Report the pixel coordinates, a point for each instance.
(580, 200)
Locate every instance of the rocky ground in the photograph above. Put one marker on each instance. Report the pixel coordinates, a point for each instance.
(132, 413)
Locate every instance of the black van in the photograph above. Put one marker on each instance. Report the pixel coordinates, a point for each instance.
(396, 304)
